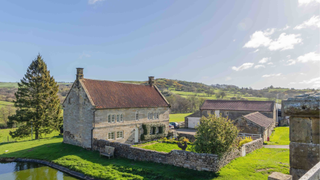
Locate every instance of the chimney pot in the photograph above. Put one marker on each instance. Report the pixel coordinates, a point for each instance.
(79, 73)
(151, 80)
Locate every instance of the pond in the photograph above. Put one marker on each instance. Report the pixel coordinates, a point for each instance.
(30, 171)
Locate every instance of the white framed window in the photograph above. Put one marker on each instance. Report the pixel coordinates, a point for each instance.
(118, 118)
(121, 118)
(112, 120)
(157, 115)
(111, 135)
(151, 115)
(120, 134)
(109, 118)
(157, 130)
(137, 116)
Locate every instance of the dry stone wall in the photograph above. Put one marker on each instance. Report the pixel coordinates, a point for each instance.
(186, 159)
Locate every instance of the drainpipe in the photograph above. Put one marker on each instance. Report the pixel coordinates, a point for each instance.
(93, 127)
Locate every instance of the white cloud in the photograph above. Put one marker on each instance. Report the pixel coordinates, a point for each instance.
(302, 74)
(315, 82)
(94, 1)
(311, 56)
(288, 56)
(84, 55)
(306, 2)
(258, 39)
(228, 78)
(313, 21)
(262, 38)
(255, 51)
(285, 42)
(259, 66)
(271, 75)
(270, 63)
(285, 28)
(243, 67)
(234, 40)
(264, 60)
(291, 62)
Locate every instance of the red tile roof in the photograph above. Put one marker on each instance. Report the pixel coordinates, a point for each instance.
(264, 106)
(259, 119)
(109, 94)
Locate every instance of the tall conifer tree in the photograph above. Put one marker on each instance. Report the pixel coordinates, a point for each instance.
(37, 102)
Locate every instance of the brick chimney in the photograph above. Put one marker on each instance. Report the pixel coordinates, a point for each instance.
(79, 73)
(151, 80)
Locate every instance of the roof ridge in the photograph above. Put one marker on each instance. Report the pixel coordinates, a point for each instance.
(235, 100)
(114, 82)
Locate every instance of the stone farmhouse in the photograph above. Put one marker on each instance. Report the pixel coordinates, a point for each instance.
(255, 117)
(113, 111)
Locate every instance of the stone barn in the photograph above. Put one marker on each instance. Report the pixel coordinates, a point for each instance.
(232, 109)
(255, 123)
(113, 111)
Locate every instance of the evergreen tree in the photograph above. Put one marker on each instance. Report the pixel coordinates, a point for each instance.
(37, 102)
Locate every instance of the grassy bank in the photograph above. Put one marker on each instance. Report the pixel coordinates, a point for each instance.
(280, 136)
(178, 117)
(256, 165)
(5, 137)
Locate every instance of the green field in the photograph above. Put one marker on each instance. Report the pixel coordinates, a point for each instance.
(8, 85)
(280, 136)
(5, 103)
(178, 117)
(5, 137)
(256, 165)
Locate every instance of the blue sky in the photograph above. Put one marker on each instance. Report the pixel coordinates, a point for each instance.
(245, 43)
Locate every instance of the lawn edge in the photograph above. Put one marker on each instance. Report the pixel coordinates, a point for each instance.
(50, 164)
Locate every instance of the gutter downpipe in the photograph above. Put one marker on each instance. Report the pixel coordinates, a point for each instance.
(93, 127)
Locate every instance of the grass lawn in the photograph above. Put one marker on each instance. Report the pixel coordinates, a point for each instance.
(257, 165)
(178, 117)
(164, 147)
(5, 103)
(280, 136)
(4, 135)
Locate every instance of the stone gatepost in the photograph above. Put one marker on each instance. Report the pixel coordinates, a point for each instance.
(304, 113)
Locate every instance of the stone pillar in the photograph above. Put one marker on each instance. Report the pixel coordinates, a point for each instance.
(304, 113)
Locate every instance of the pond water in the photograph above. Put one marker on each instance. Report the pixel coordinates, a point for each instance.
(30, 171)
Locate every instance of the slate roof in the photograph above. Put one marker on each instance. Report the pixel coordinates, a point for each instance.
(259, 119)
(262, 106)
(109, 94)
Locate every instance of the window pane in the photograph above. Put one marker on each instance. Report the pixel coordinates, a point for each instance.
(121, 119)
(109, 118)
(112, 118)
(118, 118)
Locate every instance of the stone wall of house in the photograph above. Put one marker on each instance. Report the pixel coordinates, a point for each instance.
(246, 126)
(186, 159)
(235, 114)
(304, 132)
(78, 114)
(129, 125)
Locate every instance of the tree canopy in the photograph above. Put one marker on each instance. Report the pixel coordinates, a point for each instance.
(215, 135)
(37, 102)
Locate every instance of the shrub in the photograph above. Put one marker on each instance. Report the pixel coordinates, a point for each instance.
(244, 141)
(215, 135)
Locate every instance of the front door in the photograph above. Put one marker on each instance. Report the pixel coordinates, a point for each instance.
(136, 135)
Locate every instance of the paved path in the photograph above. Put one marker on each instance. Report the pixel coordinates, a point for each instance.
(187, 131)
(277, 146)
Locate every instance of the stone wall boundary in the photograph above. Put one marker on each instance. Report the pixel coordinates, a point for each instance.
(179, 158)
(50, 164)
(313, 173)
